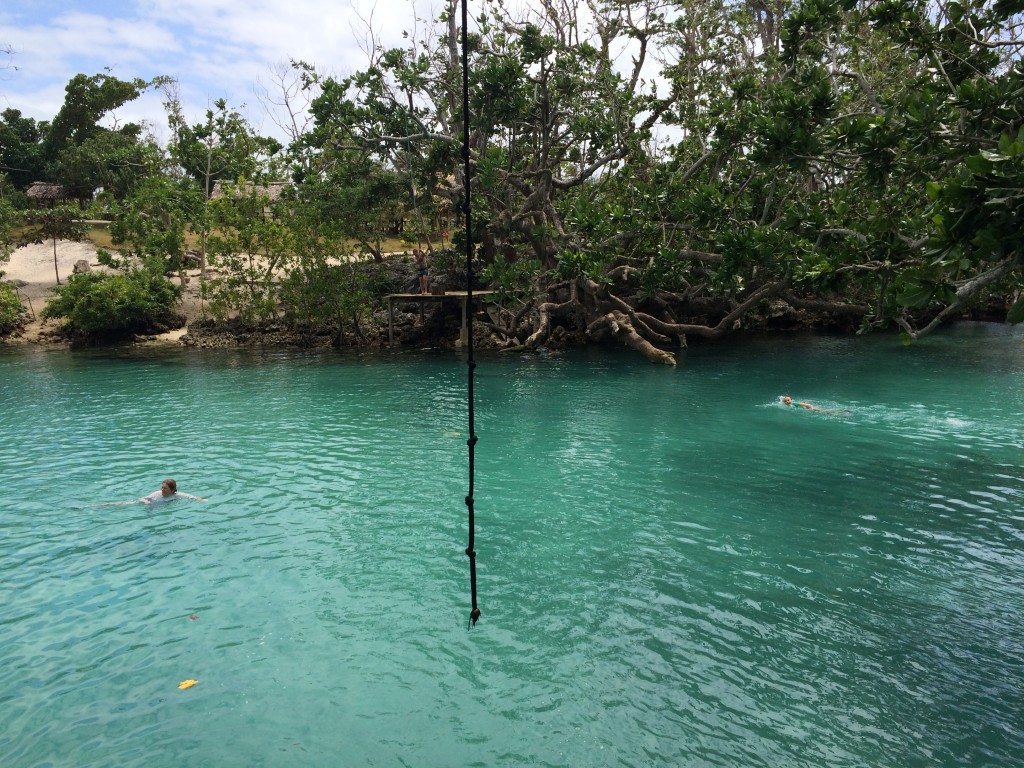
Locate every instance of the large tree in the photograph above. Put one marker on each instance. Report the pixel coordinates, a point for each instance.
(21, 155)
(223, 147)
(82, 153)
(809, 136)
(151, 225)
(552, 114)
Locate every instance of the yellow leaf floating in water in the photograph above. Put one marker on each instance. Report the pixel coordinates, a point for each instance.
(187, 684)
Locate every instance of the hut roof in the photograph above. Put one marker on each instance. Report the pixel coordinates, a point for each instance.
(272, 189)
(41, 190)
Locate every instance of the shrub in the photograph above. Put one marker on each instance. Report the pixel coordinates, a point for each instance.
(11, 308)
(95, 304)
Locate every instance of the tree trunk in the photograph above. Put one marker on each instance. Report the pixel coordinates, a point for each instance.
(55, 271)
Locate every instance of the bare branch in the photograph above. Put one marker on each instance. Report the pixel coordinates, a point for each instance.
(286, 99)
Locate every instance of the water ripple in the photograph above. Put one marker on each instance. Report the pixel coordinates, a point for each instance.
(691, 577)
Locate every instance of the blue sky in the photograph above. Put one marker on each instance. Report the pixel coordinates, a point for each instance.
(215, 48)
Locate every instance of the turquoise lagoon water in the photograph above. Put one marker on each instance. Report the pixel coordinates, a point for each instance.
(674, 568)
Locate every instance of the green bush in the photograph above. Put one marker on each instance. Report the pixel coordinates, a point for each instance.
(10, 220)
(11, 308)
(94, 303)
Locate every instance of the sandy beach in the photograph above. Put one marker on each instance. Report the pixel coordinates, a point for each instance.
(31, 269)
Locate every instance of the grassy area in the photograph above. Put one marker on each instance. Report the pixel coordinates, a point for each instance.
(99, 235)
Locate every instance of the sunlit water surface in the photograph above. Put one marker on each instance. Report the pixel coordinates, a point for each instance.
(674, 569)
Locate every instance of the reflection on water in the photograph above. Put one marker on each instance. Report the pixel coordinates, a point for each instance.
(674, 570)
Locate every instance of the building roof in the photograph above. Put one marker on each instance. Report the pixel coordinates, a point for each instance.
(42, 190)
(272, 189)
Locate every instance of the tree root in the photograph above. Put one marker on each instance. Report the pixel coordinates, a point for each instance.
(621, 328)
(545, 312)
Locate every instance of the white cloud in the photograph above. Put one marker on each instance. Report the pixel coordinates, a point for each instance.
(214, 48)
(44, 51)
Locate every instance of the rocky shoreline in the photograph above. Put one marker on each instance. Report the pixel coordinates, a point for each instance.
(33, 270)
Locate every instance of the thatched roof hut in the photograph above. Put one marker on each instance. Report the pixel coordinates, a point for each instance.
(45, 193)
(272, 189)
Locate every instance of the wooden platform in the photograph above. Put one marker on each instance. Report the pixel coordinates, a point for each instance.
(420, 298)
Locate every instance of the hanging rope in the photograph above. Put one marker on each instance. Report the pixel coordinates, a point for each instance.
(474, 614)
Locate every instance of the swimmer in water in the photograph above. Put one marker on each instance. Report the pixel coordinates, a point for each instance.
(787, 400)
(168, 492)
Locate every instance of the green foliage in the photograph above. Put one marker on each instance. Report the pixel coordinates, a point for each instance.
(978, 216)
(356, 198)
(321, 294)
(10, 220)
(21, 155)
(96, 304)
(247, 248)
(1016, 313)
(84, 155)
(86, 100)
(222, 147)
(323, 285)
(573, 264)
(813, 146)
(152, 222)
(116, 161)
(61, 222)
(12, 311)
(979, 213)
(510, 280)
(542, 109)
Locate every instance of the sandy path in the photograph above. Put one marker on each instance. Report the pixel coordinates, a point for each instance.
(31, 268)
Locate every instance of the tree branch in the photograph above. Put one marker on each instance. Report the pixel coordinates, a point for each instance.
(967, 290)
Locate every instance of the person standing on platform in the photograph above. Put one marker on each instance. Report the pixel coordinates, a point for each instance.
(420, 260)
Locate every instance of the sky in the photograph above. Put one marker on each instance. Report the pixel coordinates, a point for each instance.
(214, 48)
